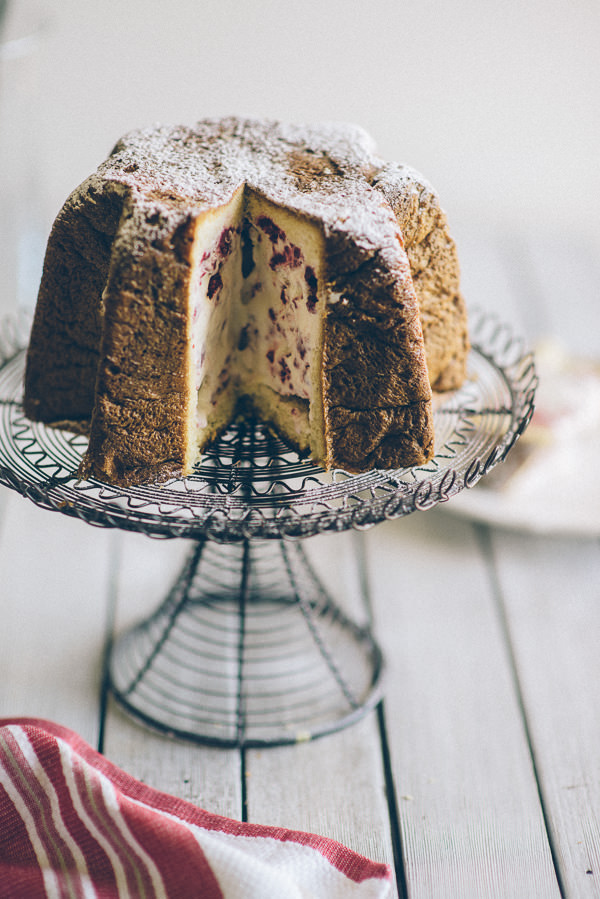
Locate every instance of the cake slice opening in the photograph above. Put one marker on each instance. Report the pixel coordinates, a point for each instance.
(216, 285)
(258, 303)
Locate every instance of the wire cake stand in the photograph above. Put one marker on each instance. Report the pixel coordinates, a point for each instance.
(249, 648)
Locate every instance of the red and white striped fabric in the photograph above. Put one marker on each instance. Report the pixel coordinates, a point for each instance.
(74, 825)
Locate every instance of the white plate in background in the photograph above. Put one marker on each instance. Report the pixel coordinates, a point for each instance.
(550, 482)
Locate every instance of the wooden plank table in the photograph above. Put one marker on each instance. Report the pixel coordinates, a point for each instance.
(479, 773)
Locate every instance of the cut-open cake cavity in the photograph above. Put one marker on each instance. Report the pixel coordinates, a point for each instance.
(257, 302)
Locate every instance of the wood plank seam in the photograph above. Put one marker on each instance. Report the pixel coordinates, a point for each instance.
(115, 557)
(244, 774)
(386, 760)
(483, 537)
(392, 803)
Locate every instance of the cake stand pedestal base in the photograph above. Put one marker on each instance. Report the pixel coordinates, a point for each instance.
(248, 649)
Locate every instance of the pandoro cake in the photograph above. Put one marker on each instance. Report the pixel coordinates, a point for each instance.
(244, 266)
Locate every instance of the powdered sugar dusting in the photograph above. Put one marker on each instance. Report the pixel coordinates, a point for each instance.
(321, 171)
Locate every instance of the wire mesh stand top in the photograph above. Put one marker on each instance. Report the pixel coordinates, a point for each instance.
(248, 649)
(250, 484)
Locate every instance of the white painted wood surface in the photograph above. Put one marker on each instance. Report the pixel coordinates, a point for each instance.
(53, 605)
(551, 593)
(485, 779)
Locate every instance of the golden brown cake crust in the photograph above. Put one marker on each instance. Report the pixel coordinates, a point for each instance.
(64, 349)
(125, 235)
(435, 272)
(377, 397)
(139, 429)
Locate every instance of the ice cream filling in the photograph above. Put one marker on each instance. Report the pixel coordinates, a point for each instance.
(257, 302)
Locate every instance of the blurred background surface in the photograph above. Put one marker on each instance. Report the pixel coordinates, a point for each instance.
(497, 104)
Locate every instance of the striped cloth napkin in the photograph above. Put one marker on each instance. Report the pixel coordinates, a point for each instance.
(74, 825)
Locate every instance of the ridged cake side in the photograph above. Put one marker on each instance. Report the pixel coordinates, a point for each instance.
(142, 418)
(435, 271)
(64, 349)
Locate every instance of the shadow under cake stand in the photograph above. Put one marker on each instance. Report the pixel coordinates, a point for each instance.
(249, 648)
